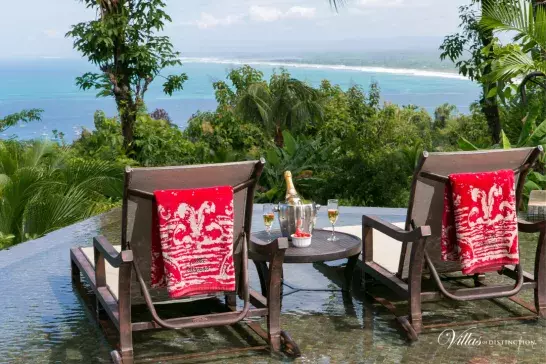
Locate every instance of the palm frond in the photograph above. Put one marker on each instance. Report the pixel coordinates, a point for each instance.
(95, 176)
(336, 4)
(254, 103)
(53, 211)
(519, 16)
(35, 155)
(512, 65)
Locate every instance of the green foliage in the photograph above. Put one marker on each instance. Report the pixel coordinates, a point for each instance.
(222, 136)
(24, 116)
(123, 43)
(159, 143)
(354, 148)
(156, 142)
(282, 104)
(527, 21)
(43, 189)
(376, 146)
(457, 131)
(468, 50)
(301, 156)
(467, 43)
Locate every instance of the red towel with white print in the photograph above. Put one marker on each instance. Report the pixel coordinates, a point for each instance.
(192, 241)
(479, 223)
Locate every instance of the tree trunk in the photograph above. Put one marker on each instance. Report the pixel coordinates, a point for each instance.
(127, 109)
(489, 106)
(279, 139)
(128, 120)
(490, 109)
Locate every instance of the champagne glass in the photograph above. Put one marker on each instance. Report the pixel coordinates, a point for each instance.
(269, 217)
(333, 213)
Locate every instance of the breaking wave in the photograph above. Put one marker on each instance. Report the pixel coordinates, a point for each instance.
(338, 67)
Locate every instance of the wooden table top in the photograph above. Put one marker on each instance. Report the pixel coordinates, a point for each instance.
(320, 250)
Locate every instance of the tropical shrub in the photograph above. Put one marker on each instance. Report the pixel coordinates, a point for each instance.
(305, 158)
(43, 189)
(156, 142)
(369, 164)
(222, 136)
(450, 127)
(284, 103)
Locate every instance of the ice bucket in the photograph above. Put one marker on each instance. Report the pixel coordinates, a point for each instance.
(289, 215)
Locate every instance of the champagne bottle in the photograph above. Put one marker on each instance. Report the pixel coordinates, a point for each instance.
(292, 197)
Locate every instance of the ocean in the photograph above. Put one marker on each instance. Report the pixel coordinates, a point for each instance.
(49, 84)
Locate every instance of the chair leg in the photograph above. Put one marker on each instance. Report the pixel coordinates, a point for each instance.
(231, 301)
(540, 276)
(415, 281)
(367, 253)
(478, 279)
(274, 301)
(349, 272)
(75, 272)
(125, 326)
(263, 274)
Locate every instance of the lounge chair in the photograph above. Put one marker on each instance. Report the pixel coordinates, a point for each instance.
(418, 241)
(109, 269)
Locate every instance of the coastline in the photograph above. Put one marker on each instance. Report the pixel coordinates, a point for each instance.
(334, 67)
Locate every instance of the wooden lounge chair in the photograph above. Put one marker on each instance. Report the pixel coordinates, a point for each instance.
(419, 241)
(109, 269)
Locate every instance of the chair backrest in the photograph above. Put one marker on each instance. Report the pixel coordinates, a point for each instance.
(137, 214)
(427, 195)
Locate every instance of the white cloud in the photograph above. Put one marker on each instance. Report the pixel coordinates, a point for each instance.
(255, 13)
(264, 13)
(270, 14)
(301, 12)
(210, 21)
(52, 33)
(380, 3)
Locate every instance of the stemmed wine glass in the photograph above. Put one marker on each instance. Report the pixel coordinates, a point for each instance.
(269, 217)
(333, 213)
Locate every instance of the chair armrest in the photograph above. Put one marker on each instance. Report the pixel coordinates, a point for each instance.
(107, 250)
(531, 227)
(394, 231)
(261, 247)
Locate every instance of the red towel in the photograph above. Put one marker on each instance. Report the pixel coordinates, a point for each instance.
(192, 241)
(479, 223)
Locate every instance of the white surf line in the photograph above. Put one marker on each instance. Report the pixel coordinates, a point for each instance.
(337, 67)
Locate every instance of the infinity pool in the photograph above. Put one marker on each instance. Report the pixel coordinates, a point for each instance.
(42, 320)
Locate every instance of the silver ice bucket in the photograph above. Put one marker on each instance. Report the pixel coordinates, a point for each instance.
(289, 214)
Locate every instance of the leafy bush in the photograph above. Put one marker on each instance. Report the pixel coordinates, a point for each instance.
(156, 142)
(221, 134)
(42, 188)
(304, 157)
(454, 126)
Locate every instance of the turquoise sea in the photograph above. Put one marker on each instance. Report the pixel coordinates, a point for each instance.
(49, 84)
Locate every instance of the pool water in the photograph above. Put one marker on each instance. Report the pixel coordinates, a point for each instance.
(42, 320)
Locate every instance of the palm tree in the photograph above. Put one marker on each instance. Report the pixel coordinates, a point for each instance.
(42, 190)
(527, 19)
(283, 104)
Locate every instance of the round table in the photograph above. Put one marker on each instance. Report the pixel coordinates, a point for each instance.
(321, 250)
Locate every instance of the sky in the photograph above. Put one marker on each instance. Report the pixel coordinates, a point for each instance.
(36, 28)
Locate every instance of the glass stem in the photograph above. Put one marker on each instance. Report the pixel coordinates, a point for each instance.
(333, 231)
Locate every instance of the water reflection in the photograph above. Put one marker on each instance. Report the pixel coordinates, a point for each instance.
(44, 321)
